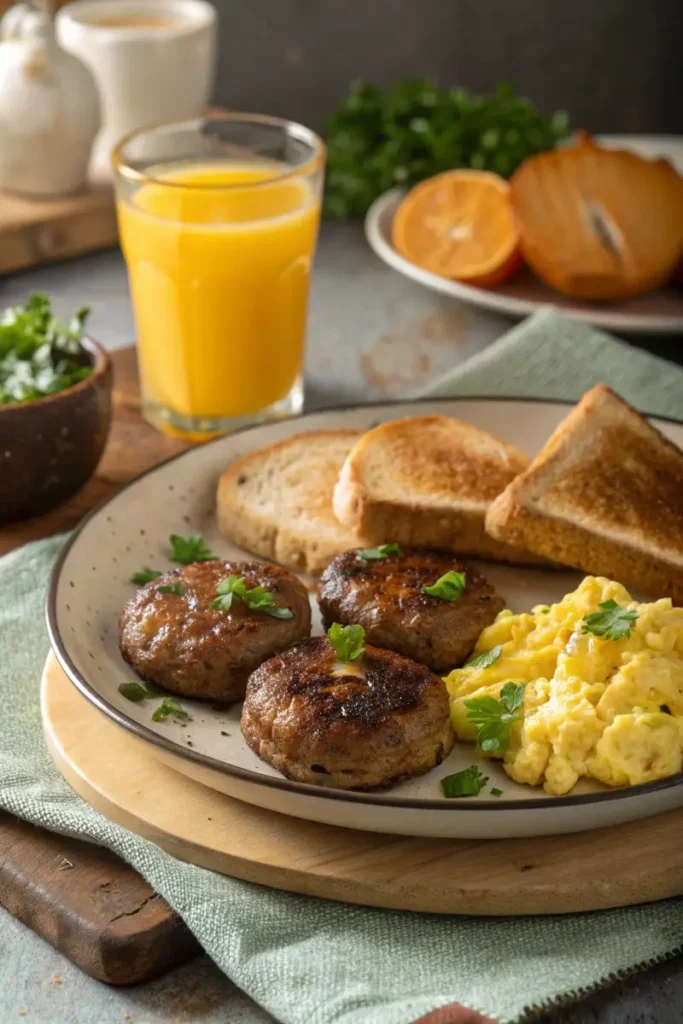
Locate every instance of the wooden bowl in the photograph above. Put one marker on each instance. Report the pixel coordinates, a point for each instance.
(51, 446)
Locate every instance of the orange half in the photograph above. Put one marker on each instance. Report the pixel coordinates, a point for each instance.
(459, 224)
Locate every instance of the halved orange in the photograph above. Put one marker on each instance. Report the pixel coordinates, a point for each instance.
(459, 224)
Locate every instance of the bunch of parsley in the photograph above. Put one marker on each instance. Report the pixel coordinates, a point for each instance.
(39, 354)
(376, 141)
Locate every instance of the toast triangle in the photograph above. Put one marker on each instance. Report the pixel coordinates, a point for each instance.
(604, 495)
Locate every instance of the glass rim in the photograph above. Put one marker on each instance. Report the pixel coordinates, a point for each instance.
(298, 131)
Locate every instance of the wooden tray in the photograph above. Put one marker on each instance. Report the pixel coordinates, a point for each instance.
(34, 231)
(555, 874)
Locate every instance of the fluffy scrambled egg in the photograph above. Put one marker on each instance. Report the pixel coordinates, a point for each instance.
(610, 710)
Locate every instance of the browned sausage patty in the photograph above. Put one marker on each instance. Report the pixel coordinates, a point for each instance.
(386, 597)
(184, 645)
(366, 725)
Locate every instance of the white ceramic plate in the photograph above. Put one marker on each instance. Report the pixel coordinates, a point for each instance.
(660, 312)
(90, 584)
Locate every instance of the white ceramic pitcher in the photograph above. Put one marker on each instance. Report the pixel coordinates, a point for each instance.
(49, 108)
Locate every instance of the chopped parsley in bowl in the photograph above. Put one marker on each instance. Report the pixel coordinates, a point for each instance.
(55, 408)
(39, 354)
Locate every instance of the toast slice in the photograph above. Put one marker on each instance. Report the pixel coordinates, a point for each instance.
(427, 480)
(277, 502)
(604, 495)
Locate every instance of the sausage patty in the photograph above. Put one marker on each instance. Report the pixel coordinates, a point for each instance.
(366, 725)
(180, 642)
(386, 597)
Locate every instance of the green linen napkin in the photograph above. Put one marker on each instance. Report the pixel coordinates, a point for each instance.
(311, 961)
(551, 356)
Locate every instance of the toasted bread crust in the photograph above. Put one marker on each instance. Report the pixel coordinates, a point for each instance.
(295, 524)
(604, 495)
(437, 458)
(443, 474)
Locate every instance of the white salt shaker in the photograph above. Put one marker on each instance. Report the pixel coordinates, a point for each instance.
(49, 108)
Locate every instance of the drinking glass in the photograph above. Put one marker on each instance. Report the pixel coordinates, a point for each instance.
(218, 219)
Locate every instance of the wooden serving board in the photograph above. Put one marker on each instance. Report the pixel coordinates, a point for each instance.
(89, 905)
(35, 231)
(549, 875)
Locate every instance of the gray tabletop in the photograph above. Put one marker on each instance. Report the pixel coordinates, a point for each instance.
(372, 335)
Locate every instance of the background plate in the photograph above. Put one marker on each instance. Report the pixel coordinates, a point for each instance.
(659, 312)
(91, 584)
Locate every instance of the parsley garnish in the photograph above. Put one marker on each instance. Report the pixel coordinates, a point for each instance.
(613, 622)
(168, 706)
(496, 792)
(136, 691)
(172, 588)
(190, 549)
(383, 551)
(494, 718)
(145, 576)
(377, 139)
(347, 641)
(448, 587)
(39, 354)
(486, 658)
(258, 599)
(545, 608)
(468, 782)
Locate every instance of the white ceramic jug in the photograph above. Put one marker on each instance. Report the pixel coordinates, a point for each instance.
(153, 61)
(49, 108)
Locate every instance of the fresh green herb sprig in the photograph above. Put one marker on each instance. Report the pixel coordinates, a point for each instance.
(449, 587)
(136, 691)
(375, 554)
(186, 550)
(494, 718)
(486, 658)
(347, 641)
(172, 588)
(377, 140)
(39, 354)
(169, 706)
(468, 782)
(612, 621)
(145, 576)
(258, 599)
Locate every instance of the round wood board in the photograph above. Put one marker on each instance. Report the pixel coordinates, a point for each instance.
(632, 863)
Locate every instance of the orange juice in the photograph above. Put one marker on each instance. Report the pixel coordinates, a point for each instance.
(219, 259)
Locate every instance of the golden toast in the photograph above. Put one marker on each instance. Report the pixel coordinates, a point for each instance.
(277, 502)
(605, 495)
(427, 480)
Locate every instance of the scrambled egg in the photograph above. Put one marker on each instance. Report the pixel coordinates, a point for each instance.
(611, 710)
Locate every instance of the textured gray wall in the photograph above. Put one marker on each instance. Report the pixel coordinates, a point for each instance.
(616, 65)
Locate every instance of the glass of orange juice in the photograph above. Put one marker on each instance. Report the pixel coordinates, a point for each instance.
(218, 219)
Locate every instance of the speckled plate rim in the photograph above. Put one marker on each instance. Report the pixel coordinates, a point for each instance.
(320, 792)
